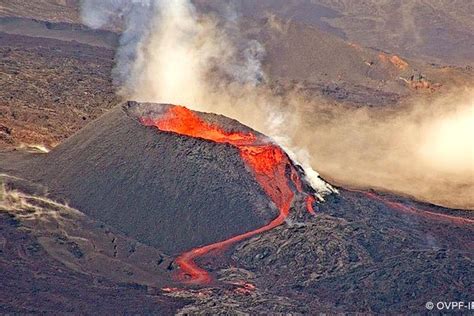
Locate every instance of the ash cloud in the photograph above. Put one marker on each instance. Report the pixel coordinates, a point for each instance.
(173, 53)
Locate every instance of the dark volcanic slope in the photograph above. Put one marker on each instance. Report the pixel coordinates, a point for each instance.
(356, 252)
(166, 190)
(35, 282)
(415, 28)
(50, 88)
(366, 252)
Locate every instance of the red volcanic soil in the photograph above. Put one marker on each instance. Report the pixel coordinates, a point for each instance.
(267, 161)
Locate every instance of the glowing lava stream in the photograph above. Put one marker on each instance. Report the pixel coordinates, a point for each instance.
(268, 162)
(412, 210)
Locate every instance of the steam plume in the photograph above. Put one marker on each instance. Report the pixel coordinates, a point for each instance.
(172, 53)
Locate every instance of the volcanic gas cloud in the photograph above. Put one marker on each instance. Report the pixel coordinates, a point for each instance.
(271, 166)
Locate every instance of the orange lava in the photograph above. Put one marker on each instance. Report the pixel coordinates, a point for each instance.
(416, 211)
(182, 121)
(267, 161)
(310, 200)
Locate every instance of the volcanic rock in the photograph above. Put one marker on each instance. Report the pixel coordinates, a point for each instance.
(41, 275)
(166, 190)
(366, 252)
(182, 188)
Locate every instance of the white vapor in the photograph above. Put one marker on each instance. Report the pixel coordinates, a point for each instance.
(170, 53)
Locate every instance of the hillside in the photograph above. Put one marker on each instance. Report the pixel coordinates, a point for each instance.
(114, 201)
(47, 10)
(38, 36)
(157, 199)
(422, 30)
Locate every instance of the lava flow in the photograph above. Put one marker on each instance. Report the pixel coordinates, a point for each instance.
(412, 210)
(267, 161)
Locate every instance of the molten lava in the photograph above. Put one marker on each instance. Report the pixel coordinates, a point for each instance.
(267, 161)
(182, 121)
(310, 200)
(419, 212)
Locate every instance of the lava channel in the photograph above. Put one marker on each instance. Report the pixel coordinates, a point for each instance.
(416, 211)
(267, 161)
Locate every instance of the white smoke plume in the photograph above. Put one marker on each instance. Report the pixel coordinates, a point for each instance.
(172, 53)
(137, 16)
(168, 45)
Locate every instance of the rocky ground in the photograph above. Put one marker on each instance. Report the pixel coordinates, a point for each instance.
(360, 255)
(47, 10)
(337, 261)
(415, 29)
(362, 252)
(50, 88)
(55, 260)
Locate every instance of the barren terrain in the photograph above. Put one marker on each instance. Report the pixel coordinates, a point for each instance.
(101, 223)
(50, 88)
(55, 70)
(353, 251)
